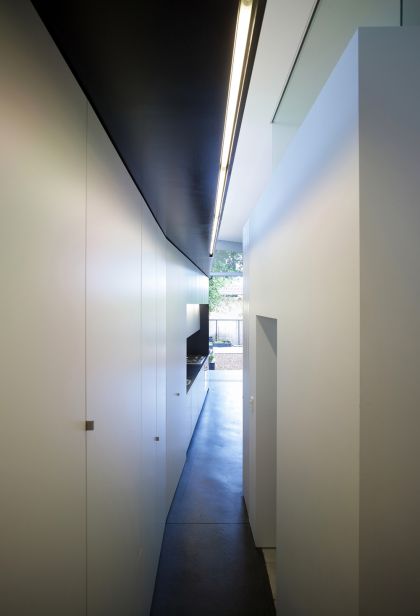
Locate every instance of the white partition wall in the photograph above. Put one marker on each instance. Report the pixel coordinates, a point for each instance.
(389, 124)
(332, 253)
(304, 271)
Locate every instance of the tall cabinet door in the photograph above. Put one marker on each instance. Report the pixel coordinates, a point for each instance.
(153, 393)
(161, 385)
(178, 424)
(42, 325)
(113, 381)
(148, 396)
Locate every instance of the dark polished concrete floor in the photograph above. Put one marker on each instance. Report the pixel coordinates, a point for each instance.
(209, 565)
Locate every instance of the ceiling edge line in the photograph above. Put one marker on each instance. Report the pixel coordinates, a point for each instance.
(99, 116)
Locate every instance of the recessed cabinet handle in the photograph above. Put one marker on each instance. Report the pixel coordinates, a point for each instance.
(177, 393)
(157, 438)
(89, 425)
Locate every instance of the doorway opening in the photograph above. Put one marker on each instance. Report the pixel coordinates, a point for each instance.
(266, 441)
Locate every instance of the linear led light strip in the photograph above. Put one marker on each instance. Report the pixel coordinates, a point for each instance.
(236, 74)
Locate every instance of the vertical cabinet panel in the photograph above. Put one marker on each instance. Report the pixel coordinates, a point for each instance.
(204, 290)
(149, 485)
(126, 331)
(178, 426)
(196, 284)
(113, 377)
(161, 385)
(195, 398)
(185, 285)
(42, 382)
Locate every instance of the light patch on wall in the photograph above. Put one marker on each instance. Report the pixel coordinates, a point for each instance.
(193, 318)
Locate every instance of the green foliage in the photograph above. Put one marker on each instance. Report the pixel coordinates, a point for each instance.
(215, 299)
(223, 261)
(227, 261)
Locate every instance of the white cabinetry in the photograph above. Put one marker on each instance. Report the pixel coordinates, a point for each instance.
(126, 393)
(126, 368)
(185, 285)
(193, 319)
(160, 384)
(177, 423)
(83, 336)
(113, 296)
(153, 392)
(196, 396)
(42, 328)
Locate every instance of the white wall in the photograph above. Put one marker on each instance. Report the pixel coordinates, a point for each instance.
(333, 253)
(390, 321)
(334, 24)
(83, 335)
(303, 270)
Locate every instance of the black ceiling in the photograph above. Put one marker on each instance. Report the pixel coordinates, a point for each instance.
(157, 74)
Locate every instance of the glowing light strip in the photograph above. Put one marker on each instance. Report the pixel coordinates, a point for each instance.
(238, 62)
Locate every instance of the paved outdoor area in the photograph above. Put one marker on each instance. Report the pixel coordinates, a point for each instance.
(228, 358)
(232, 361)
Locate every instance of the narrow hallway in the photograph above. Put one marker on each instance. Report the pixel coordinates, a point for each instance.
(209, 564)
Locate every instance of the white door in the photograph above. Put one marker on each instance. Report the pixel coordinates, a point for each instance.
(42, 325)
(178, 424)
(149, 461)
(113, 295)
(161, 385)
